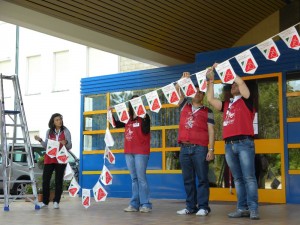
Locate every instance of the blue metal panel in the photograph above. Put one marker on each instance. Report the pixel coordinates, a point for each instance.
(293, 133)
(293, 189)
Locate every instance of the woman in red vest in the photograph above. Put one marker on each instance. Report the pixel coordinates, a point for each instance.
(137, 151)
(57, 132)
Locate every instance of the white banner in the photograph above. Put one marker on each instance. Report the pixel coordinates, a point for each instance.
(52, 148)
(73, 188)
(69, 173)
(247, 62)
(291, 38)
(62, 155)
(226, 72)
(86, 198)
(153, 101)
(109, 156)
(269, 49)
(110, 118)
(201, 79)
(106, 177)
(100, 193)
(122, 113)
(108, 139)
(171, 94)
(187, 86)
(138, 106)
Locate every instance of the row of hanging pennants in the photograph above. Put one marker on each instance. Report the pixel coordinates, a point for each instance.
(227, 75)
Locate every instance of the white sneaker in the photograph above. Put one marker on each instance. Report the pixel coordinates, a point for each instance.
(145, 209)
(55, 205)
(130, 209)
(183, 212)
(202, 212)
(42, 205)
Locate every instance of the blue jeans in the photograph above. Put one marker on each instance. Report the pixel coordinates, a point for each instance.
(240, 159)
(137, 165)
(193, 163)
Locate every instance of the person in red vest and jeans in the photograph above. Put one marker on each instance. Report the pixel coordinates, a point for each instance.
(196, 138)
(58, 132)
(238, 134)
(137, 151)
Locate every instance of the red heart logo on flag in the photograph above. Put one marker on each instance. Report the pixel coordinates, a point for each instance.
(108, 177)
(295, 42)
(63, 158)
(174, 97)
(273, 53)
(140, 110)
(86, 201)
(73, 191)
(249, 65)
(101, 194)
(204, 85)
(53, 152)
(124, 116)
(228, 76)
(155, 104)
(111, 157)
(190, 90)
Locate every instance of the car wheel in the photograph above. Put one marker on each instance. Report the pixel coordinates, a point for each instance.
(20, 189)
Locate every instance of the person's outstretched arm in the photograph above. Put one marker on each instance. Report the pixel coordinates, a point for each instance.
(216, 103)
(244, 90)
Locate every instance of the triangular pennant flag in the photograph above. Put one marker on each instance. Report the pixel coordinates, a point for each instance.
(62, 155)
(122, 112)
(52, 148)
(291, 38)
(226, 72)
(109, 156)
(73, 188)
(110, 118)
(138, 106)
(106, 177)
(201, 79)
(269, 49)
(247, 62)
(108, 139)
(171, 94)
(187, 87)
(100, 193)
(69, 173)
(86, 198)
(153, 101)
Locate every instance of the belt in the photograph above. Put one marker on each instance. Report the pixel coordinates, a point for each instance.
(187, 145)
(237, 139)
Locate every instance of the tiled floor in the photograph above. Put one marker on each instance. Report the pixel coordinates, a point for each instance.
(71, 212)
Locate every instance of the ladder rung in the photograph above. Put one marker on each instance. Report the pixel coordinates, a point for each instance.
(19, 139)
(21, 181)
(13, 125)
(11, 112)
(17, 152)
(11, 77)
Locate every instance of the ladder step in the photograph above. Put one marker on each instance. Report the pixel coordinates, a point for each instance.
(21, 181)
(17, 152)
(11, 112)
(19, 139)
(10, 77)
(13, 125)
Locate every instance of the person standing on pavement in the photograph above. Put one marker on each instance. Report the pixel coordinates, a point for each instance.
(196, 140)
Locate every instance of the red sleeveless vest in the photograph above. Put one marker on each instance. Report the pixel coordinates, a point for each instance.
(193, 127)
(237, 120)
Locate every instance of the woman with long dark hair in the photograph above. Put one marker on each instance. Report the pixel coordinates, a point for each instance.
(57, 132)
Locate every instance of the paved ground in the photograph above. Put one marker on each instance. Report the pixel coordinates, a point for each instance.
(71, 212)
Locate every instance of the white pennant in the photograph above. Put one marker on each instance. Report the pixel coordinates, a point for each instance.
(269, 49)
(291, 38)
(52, 148)
(69, 173)
(226, 72)
(73, 188)
(62, 155)
(108, 139)
(100, 193)
(138, 106)
(122, 113)
(106, 177)
(86, 198)
(171, 94)
(247, 62)
(153, 101)
(201, 79)
(109, 156)
(187, 87)
(110, 118)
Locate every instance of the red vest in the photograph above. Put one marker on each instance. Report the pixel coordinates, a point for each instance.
(238, 120)
(61, 137)
(193, 127)
(135, 141)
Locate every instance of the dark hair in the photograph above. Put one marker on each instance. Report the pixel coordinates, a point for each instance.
(51, 123)
(130, 109)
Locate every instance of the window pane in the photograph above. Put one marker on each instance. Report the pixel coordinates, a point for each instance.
(156, 139)
(95, 122)
(61, 71)
(293, 85)
(33, 75)
(171, 138)
(95, 102)
(293, 109)
(94, 142)
(172, 161)
(293, 82)
(294, 158)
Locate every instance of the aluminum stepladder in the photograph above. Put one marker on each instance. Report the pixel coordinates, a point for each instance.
(16, 121)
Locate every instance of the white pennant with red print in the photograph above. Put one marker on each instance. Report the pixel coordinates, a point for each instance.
(109, 155)
(73, 188)
(108, 139)
(122, 113)
(187, 87)
(291, 38)
(201, 79)
(62, 155)
(269, 49)
(52, 148)
(247, 62)
(110, 118)
(106, 177)
(69, 173)
(153, 101)
(138, 106)
(86, 198)
(226, 72)
(100, 193)
(171, 94)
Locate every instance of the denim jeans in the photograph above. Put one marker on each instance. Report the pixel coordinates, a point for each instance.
(193, 163)
(137, 165)
(240, 159)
